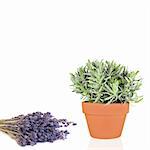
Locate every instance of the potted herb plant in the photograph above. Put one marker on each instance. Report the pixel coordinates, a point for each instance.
(107, 89)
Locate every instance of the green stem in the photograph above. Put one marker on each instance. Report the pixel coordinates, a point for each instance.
(8, 121)
(7, 130)
(8, 133)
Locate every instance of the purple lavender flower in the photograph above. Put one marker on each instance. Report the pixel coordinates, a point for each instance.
(34, 128)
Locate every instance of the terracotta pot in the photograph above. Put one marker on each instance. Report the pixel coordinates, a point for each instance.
(105, 121)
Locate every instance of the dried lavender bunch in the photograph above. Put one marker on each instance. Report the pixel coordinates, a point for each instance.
(36, 127)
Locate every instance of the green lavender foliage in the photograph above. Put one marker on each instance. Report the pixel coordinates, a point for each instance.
(106, 82)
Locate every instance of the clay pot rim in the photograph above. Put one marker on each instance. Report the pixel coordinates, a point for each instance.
(86, 102)
(105, 109)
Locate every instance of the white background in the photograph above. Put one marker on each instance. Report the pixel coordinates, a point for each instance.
(41, 42)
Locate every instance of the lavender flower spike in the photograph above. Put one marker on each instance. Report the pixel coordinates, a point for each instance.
(34, 128)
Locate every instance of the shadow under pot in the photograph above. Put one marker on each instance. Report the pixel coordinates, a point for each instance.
(105, 121)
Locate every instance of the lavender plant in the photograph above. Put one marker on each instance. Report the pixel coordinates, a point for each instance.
(106, 82)
(36, 127)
